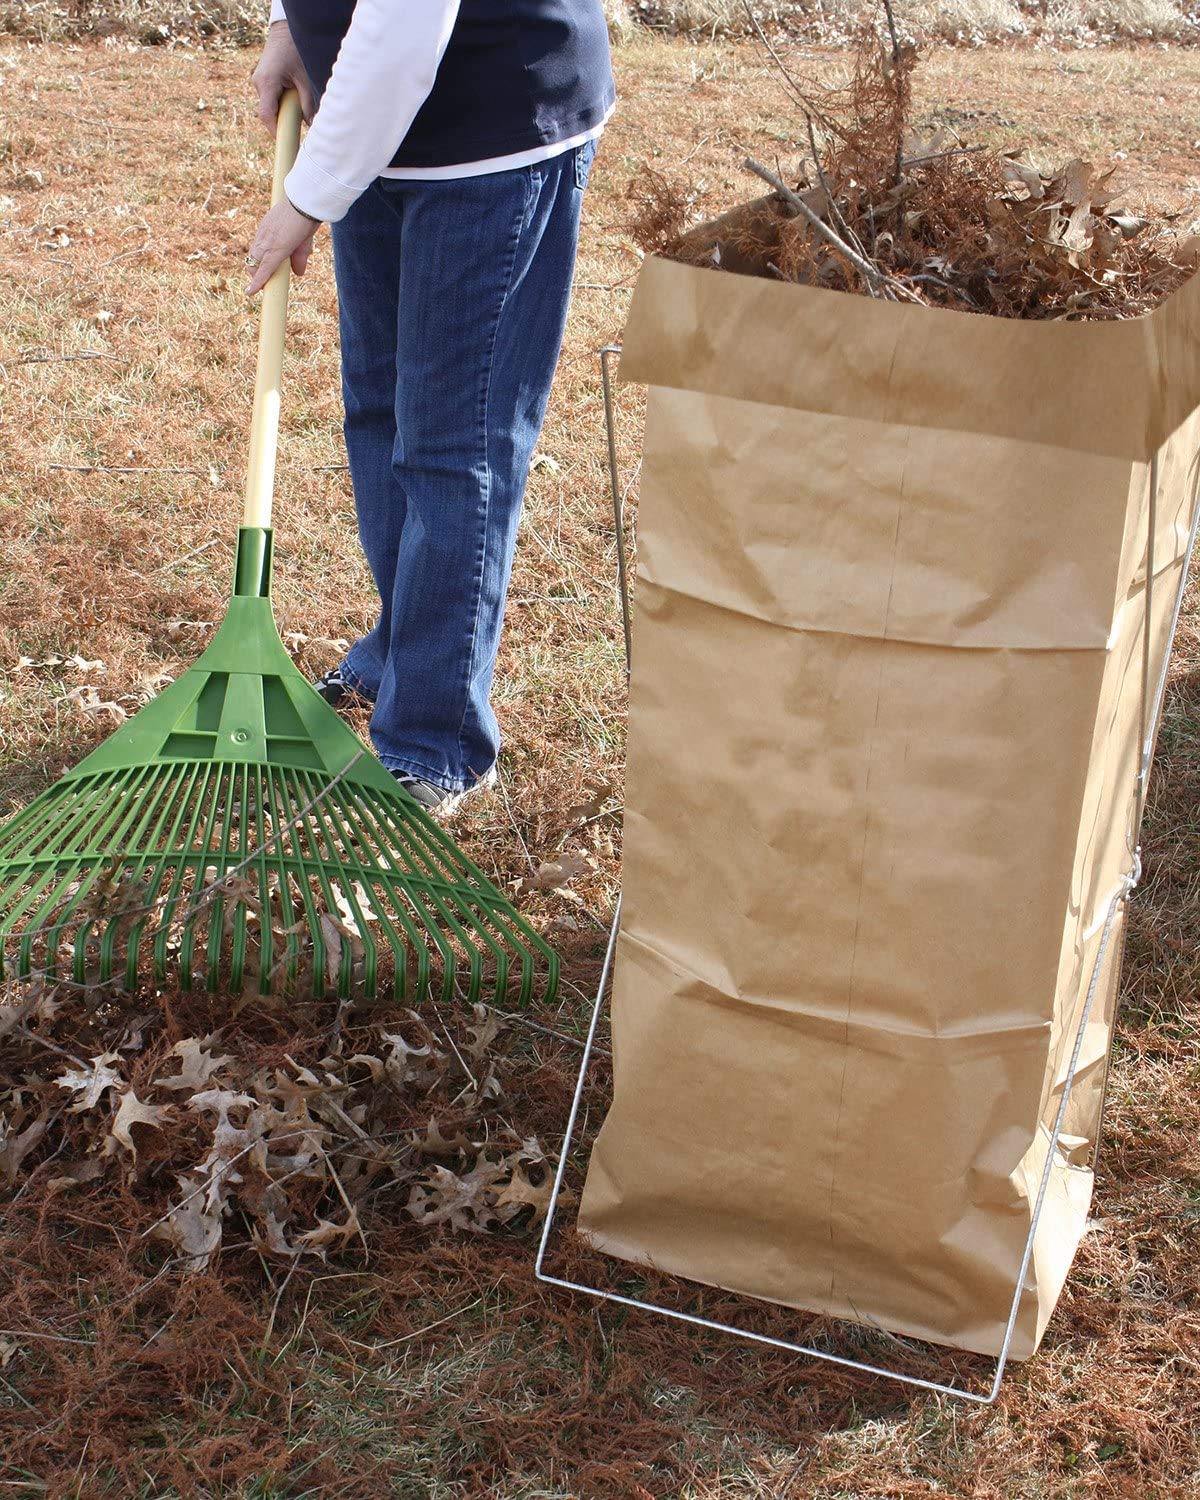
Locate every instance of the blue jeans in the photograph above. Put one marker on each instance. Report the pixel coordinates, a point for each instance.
(453, 297)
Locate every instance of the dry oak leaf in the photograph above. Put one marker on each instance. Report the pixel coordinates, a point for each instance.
(270, 1236)
(521, 1193)
(350, 909)
(133, 1112)
(488, 1026)
(46, 1003)
(334, 935)
(91, 1082)
(434, 1143)
(76, 1173)
(465, 1202)
(89, 700)
(14, 1013)
(219, 1171)
(552, 874)
(197, 1067)
(192, 1230)
(328, 1234)
(15, 1147)
(602, 794)
(406, 1064)
(294, 1138)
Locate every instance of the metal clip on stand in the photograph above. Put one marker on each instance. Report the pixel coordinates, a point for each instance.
(1151, 714)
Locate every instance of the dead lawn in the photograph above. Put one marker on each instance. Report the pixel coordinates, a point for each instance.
(129, 184)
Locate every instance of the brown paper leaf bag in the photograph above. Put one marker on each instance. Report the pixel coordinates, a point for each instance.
(886, 719)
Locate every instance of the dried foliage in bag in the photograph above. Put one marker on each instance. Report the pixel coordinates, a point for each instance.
(880, 209)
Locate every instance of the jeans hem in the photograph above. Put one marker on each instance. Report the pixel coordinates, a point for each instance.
(409, 767)
(358, 683)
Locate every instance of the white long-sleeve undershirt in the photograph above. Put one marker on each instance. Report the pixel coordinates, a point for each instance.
(384, 72)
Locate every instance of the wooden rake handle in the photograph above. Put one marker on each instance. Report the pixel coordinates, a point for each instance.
(264, 423)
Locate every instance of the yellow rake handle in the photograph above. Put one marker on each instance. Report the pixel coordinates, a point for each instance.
(264, 424)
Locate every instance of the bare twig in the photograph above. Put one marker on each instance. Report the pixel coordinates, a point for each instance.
(806, 102)
(524, 1020)
(350, 1208)
(176, 562)
(871, 274)
(834, 210)
(405, 1338)
(955, 291)
(126, 254)
(918, 161)
(891, 22)
(54, 1338)
(35, 358)
(119, 468)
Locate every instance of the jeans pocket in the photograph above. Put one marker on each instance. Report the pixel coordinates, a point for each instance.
(584, 156)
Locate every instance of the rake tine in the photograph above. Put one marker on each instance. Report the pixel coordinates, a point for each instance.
(370, 948)
(395, 897)
(266, 936)
(287, 908)
(112, 869)
(492, 904)
(72, 873)
(195, 800)
(175, 798)
(320, 958)
(216, 917)
(412, 892)
(439, 846)
(187, 942)
(237, 965)
(171, 835)
(321, 875)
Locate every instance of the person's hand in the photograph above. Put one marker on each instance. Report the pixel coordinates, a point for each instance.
(280, 69)
(284, 233)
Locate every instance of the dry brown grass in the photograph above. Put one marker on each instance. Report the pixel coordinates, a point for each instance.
(961, 22)
(825, 22)
(129, 185)
(151, 22)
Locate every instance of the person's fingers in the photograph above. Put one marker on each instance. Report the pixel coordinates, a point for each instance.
(270, 91)
(271, 260)
(308, 105)
(282, 235)
(269, 84)
(300, 256)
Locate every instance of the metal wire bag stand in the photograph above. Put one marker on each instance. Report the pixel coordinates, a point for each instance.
(1152, 704)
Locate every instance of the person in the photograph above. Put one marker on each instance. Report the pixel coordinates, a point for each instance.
(449, 148)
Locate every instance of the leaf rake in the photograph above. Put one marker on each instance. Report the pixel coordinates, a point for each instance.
(237, 835)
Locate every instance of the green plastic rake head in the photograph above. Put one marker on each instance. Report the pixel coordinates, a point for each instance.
(236, 834)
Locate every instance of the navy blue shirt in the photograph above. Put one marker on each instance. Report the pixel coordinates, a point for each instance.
(516, 75)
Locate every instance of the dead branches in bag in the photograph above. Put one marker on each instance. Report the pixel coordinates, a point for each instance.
(882, 208)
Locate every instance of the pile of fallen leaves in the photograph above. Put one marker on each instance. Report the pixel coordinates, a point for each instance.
(278, 1128)
(882, 208)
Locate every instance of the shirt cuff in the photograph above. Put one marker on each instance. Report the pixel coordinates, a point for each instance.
(277, 12)
(314, 192)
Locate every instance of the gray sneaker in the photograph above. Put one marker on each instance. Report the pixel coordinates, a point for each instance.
(436, 800)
